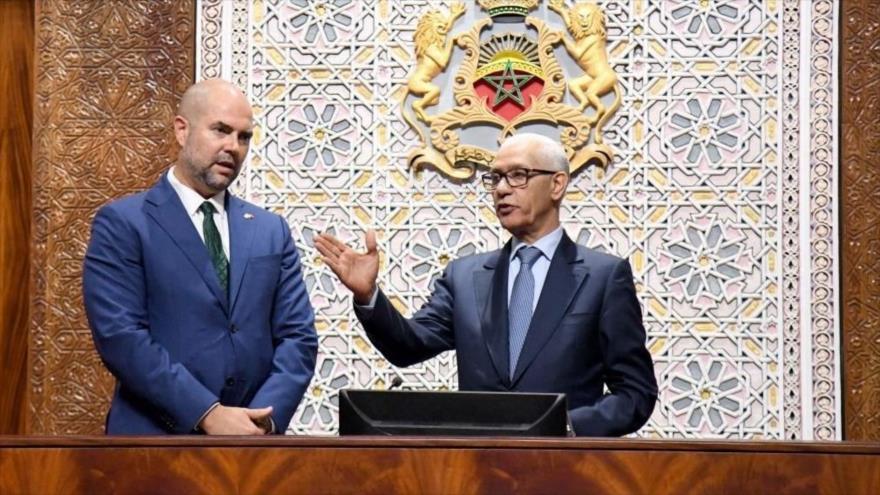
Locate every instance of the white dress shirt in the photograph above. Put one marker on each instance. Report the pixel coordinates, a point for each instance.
(192, 201)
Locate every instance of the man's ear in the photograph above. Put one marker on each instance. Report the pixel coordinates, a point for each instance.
(559, 185)
(181, 129)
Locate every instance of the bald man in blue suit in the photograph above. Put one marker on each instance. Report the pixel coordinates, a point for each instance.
(195, 298)
(542, 314)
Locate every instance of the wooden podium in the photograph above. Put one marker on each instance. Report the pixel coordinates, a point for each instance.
(201, 465)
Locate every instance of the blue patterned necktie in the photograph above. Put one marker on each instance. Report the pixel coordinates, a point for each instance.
(215, 244)
(519, 312)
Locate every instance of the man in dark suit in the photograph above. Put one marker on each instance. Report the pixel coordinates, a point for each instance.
(195, 298)
(542, 314)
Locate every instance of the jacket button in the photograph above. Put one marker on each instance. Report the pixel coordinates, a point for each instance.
(233, 328)
(230, 381)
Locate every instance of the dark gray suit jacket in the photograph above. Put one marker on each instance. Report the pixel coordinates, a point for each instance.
(586, 332)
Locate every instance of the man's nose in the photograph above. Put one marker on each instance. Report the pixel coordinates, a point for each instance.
(231, 144)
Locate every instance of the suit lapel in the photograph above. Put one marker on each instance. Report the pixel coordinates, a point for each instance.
(165, 208)
(241, 236)
(490, 286)
(566, 275)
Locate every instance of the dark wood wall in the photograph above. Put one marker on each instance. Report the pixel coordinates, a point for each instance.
(16, 102)
(860, 217)
(108, 79)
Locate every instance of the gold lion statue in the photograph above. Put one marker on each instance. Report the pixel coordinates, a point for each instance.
(432, 52)
(586, 24)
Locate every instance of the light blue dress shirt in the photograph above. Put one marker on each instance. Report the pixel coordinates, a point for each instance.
(547, 245)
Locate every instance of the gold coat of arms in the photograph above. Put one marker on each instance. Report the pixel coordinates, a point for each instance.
(505, 75)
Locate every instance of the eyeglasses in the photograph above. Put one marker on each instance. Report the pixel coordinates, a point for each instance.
(517, 177)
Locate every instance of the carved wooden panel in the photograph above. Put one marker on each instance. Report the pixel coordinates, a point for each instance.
(109, 75)
(188, 465)
(16, 110)
(860, 218)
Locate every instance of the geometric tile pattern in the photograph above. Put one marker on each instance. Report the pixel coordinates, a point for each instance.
(698, 197)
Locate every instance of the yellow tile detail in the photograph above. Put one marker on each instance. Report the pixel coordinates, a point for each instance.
(361, 344)
(751, 176)
(771, 129)
(658, 86)
(275, 180)
(275, 55)
(752, 214)
(638, 260)
(657, 48)
(401, 54)
(657, 347)
(619, 214)
(364, 91)
(575, 196)
(753, 348)
(317, 197)
(658, 307)
(706, 326)
(752, 46)
(771, 261)
(752, 85)
(751, 309)
(400, 216)
(619, 177)
(275, 93)
(706, 66)
(362, 215)
(657, 177)
(489, 215)
(363, 179)
(321, 73)
(259, 11)
(704, 196)
(399, 178)
(658, 214)
(365, 55)
(638, 132)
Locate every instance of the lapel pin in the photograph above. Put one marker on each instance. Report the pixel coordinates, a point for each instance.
(248, 216)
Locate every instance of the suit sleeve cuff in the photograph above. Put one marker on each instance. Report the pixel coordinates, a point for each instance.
(370, 305)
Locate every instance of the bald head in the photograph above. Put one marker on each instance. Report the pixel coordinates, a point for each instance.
(209, 92)
(544, 152)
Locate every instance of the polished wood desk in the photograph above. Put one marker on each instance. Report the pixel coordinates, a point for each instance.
(201, 465)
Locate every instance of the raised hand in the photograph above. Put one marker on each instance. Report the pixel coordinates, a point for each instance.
(357, 271)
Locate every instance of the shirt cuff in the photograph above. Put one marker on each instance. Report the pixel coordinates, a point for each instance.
(370, 305)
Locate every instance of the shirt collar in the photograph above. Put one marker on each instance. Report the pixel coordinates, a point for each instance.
(547, 244)
(191, 199)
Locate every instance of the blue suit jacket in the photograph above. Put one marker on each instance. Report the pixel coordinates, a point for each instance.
(170, 335)
(586, 331)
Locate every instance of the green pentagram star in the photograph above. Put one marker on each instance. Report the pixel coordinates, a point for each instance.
(515, 91)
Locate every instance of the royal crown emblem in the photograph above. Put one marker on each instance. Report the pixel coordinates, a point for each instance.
(509, 78)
